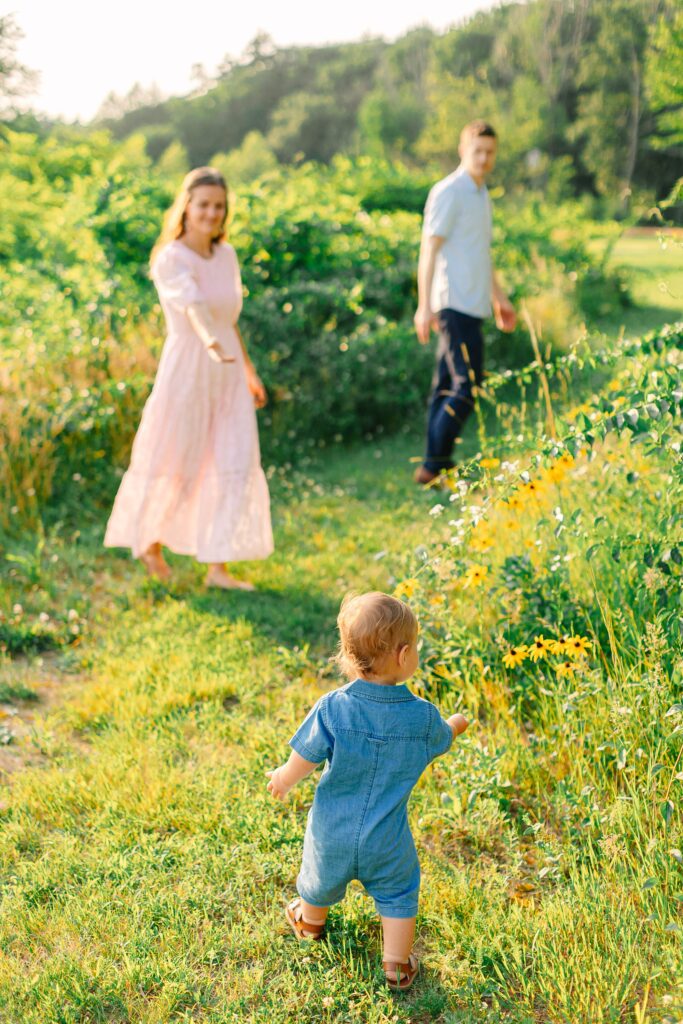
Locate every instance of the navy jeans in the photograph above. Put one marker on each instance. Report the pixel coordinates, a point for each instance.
(460, 363)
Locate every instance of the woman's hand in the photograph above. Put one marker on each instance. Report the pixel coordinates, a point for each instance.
(215, 352)
(255, 385)
(276, 787)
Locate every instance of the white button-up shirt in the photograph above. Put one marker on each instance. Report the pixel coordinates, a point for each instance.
(459, 211)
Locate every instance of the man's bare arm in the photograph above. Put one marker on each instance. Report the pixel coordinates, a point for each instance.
(503, 310)
(429, 247)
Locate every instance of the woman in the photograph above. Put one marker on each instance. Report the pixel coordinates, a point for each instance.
(195, 482)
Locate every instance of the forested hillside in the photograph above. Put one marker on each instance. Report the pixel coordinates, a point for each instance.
(585, 94)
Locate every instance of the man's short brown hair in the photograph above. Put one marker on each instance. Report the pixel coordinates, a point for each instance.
(477, 129)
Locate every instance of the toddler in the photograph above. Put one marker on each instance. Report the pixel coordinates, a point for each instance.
(377, 738)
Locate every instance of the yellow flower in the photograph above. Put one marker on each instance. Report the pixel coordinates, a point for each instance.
(475, 575)
(515, 656)
(513, 503)
(540, 648)
(533, 489)
(481, 539)
(441, 670)
(557, 471)
(565, 669)
(406, 588)
(577, 646)
(489, 463)
(577, 410)
(559, 646)
(437, 599)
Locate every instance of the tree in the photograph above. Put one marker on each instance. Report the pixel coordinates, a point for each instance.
(246, 163)
(664, 79)
(16, 80)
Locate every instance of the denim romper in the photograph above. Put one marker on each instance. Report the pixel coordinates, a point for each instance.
(377, 740)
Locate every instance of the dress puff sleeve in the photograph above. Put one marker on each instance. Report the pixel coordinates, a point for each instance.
(313, 739)
(175, 278)
(236, 281)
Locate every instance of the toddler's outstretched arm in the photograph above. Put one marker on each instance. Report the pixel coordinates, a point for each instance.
(458, 724)
(287, 775)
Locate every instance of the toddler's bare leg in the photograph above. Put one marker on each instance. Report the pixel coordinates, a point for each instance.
(399, 933)
(313, 915)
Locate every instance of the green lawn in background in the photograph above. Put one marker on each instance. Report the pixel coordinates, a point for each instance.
(653, 263)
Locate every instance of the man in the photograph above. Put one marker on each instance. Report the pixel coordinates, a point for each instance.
(456, 287)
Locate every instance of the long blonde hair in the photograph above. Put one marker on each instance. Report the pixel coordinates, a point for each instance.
(174, 218)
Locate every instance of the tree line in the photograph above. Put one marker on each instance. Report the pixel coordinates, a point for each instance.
(587, 96)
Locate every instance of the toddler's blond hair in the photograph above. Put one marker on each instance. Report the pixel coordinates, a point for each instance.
(371, 625)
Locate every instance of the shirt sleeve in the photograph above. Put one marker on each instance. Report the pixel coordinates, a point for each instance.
(441, 211)
(440, 735)
(313, 739)
(176, 280)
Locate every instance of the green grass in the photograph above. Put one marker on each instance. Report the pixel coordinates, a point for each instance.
(145, 869)
(654, 269)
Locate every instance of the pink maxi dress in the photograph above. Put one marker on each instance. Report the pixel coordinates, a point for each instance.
(195, 482)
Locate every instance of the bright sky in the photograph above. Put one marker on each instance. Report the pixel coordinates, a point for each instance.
(84, 49)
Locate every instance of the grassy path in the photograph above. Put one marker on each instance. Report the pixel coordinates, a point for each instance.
(144, 867)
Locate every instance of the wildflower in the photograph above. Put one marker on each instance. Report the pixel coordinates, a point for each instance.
(481, 539)
(577, 646)
(44, 617)
(489, 463)
(559, 646)
(72, 615)
(565, 669)
(436, 510)
(17, 609)
(540, 648)
(532, 489)
(437, 599)
(475, 575)
(514, 504)
(406, 588)
(515, 656)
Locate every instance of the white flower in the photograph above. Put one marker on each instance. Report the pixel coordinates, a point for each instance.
(557, 512)
(44, 617)
(72, 615)
(436, 510)
(18, 610)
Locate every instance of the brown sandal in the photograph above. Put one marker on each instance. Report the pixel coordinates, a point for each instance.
(303, 930)
(405, 973)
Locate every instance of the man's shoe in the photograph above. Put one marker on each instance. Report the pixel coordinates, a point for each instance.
(424, 476)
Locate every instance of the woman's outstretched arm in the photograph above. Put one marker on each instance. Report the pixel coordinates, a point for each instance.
(200, 317)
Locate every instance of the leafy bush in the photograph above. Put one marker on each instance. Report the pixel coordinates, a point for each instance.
(330, 293)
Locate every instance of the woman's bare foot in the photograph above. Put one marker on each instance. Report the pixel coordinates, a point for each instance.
(155, 563)
(218, 576)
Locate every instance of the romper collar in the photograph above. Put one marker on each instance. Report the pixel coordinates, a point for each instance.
(377, 691)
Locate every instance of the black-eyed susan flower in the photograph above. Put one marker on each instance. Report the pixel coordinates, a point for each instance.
(540, 648)
(515, 656)
(565, 669)
(475, 575)
(577, 646)
(559, 646)
(406, 588)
